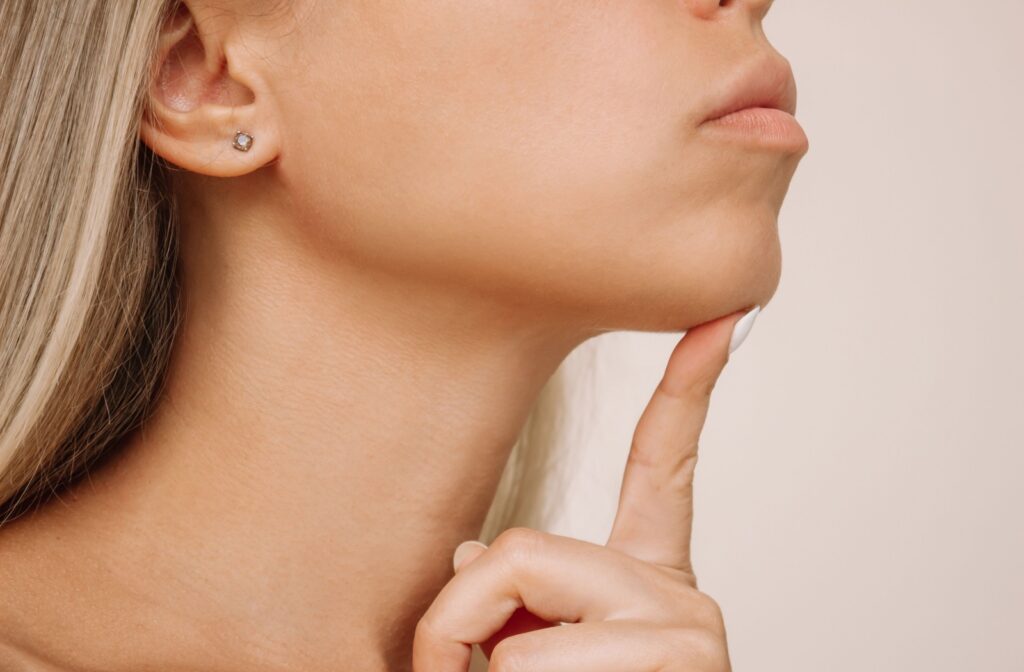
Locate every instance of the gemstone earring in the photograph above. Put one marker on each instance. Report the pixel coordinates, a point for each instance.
(242, 141)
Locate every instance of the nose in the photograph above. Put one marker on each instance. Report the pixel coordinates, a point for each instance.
(707, 9)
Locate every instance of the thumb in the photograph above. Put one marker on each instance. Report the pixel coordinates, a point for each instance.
(466, 552)
(521, 620)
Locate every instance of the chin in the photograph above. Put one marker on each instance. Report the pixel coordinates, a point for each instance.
(679, 305)
(666, 279)
(724, 279)
(765, 266)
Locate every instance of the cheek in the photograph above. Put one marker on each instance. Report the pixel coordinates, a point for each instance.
(423, 134)
(538, 148)
(684, 267)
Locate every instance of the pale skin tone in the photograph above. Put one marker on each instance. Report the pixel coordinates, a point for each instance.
(631, 604)
(442, 200)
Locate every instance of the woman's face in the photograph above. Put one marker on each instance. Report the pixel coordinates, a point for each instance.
(546, 151)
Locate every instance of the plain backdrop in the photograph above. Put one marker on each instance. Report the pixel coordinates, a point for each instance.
(859, 492)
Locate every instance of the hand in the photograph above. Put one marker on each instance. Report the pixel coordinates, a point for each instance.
(541, 602)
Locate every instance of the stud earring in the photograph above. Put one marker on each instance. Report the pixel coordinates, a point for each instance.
(242, 141)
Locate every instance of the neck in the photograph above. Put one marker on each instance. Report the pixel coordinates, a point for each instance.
(328, 434)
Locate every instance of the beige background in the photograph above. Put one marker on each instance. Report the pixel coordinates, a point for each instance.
(859, 495)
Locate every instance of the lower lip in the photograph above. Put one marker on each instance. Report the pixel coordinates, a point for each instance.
(762, 126)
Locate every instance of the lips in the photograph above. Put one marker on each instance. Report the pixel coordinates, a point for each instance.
(767, 83)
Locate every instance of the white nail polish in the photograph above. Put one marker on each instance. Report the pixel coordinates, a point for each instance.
(742, 329)
(461, 549)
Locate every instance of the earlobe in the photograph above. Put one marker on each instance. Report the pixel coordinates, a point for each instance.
(226, 142)
(204, 92)
(704, 9)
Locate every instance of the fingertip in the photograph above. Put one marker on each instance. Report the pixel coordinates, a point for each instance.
(466, 552)
(705, 349)
(742, 328)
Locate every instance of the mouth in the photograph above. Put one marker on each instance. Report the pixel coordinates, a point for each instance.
(759, 105)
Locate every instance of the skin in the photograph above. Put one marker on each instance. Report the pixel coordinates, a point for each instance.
(442, 200)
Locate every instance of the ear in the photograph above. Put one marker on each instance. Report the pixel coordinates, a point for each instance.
(206, 86)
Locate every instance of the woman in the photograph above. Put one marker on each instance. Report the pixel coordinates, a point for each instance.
(374, 230)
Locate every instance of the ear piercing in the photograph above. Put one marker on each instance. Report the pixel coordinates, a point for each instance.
(242, 141)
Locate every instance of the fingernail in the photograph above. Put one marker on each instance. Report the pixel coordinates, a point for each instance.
(461, 550)
(742, 329)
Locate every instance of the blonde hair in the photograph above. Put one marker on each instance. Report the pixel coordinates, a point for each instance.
(88, 298)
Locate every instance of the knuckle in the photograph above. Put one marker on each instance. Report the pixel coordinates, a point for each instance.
(509, 656)
(681, 582)
(698, 609)
(708, 614)
(703, 386)
(640, 455)
(517, 545)
(704, 650)
(680, 461)
(426, 629)
(688, 463)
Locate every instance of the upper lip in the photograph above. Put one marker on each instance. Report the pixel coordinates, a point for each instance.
(766, 83)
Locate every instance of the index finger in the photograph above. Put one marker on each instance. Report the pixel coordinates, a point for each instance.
(654, 519)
